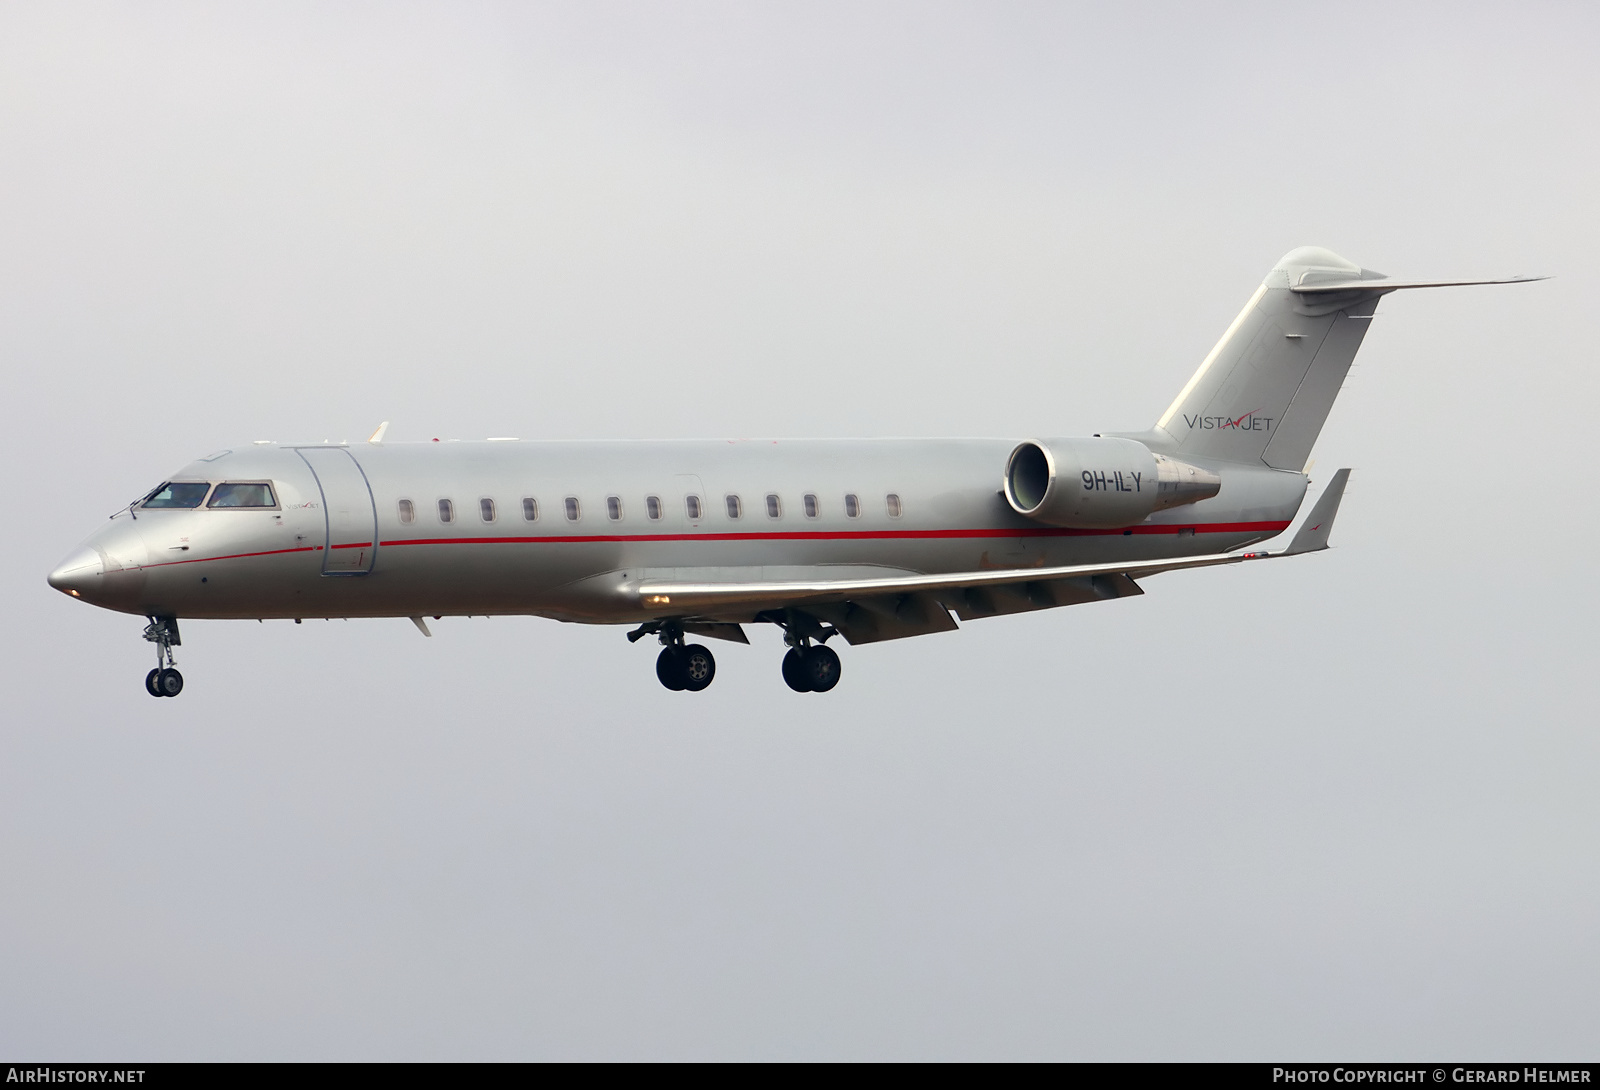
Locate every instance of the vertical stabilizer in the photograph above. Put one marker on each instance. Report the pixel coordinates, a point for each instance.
(1263, 393)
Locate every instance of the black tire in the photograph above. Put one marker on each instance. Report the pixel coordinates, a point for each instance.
(794, 673)
(821, 667)
(150, 683)
(170, 682)
(669, 669)
(698, 667)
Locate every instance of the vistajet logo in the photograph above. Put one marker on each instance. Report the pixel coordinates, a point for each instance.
(1248, 422)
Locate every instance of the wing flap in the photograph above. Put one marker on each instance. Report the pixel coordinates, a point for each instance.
(875, 618)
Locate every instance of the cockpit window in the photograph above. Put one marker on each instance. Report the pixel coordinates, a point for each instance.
(178, 494)
(242, 494)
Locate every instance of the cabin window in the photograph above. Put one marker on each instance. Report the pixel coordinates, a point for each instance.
(447, 511)
(614, 508)
(242, 494)
(530, 509)
(811, 505)
(774, 506)
(178, 494)
(652, 507)
(408, 511)
(574, 512)
(852, 505)
(735, 508)
(892, 502)
(691, 506)
(486, 509)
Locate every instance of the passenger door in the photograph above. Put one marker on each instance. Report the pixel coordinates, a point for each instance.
(349, 513)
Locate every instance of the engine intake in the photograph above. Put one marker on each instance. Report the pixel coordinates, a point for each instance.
(1099, 483)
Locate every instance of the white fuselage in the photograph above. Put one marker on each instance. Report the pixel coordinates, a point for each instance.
(366, 534)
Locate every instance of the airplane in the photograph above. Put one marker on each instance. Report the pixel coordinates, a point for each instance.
(870, 540)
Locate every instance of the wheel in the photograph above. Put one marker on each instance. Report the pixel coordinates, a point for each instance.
(170, 682)
(821, 667)
(698, 665)
(794, 674)
(669, 669)
(150, 683)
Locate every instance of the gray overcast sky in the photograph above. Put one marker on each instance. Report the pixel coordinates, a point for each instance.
(1338, 807)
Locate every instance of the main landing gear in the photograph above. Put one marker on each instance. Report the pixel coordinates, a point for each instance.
(680, 667)
(164, 680)
(810, 669)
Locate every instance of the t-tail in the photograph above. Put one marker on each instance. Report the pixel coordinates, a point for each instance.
(1263, 393)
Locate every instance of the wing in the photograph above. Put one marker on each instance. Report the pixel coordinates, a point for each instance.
(701, 597)
(894, 607)
(866, 610)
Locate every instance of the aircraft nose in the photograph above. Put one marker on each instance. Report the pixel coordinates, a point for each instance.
(73, 575)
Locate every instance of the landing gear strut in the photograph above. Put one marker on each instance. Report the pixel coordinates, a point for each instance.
(680, 667)
(164, 680)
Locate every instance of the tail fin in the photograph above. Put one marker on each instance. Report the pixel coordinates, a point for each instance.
(1265, 390)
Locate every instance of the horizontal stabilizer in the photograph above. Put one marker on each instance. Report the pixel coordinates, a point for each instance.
(1383, 284)
(1318, 525)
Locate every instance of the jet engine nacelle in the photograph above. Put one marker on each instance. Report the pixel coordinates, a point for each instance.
(1099, 483)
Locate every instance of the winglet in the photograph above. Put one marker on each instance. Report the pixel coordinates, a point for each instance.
(422, 626)
(377, 436)
(1318, 525)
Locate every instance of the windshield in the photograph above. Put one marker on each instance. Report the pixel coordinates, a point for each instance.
(240, 494)
(178, 494)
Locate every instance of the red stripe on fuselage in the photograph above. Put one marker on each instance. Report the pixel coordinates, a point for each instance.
(782, 535)
(850, 535)
(237, 556)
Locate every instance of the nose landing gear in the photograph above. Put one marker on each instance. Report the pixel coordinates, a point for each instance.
(164, 680)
